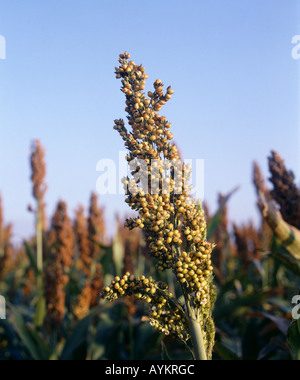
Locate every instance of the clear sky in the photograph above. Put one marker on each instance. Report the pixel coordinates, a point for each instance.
(229, 62)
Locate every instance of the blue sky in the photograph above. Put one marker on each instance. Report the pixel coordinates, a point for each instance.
(229, 62)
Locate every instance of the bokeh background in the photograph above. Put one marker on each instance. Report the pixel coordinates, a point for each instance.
(230, 64)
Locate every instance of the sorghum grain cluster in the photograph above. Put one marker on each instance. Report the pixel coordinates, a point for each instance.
(158, 189)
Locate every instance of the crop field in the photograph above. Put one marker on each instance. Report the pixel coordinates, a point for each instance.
(173, 277)
(181, 282)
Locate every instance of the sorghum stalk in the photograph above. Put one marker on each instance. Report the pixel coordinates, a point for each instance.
(5, 243)
(174, 225)
(38, 167)
(96, 226)
(83, 242)
(197, 338)
(221, 237)
(39, 244)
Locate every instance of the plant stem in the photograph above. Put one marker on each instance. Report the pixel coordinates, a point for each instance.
(197, 339)
(196, 331)
(39, 244)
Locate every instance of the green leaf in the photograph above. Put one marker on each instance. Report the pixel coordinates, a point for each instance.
(213, 224)
(147, 341)
(28, 336)
(31, 258)
(224, 352)
(164, 354)
(9, 329)
(40, 312)
(96, 351)
(107, 260)
(118, 254)
(44, 349)
(294, 338)
(215, 221)
(236, 307)
(281, 323)
(76, 346)
(287, 260)
(288, 235)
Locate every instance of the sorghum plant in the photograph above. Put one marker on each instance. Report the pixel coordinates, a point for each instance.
(285, 192)
(89, 296)
(96, 226)
(259, 180)
(247, 242)
(38, 168)
(222, 238)
(282, 221)
(83, 242)
(59, 262)
(174, 225)
(89, 232)
(5, 243)
(1, 229)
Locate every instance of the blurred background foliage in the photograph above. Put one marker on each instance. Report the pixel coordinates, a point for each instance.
(55, 312)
